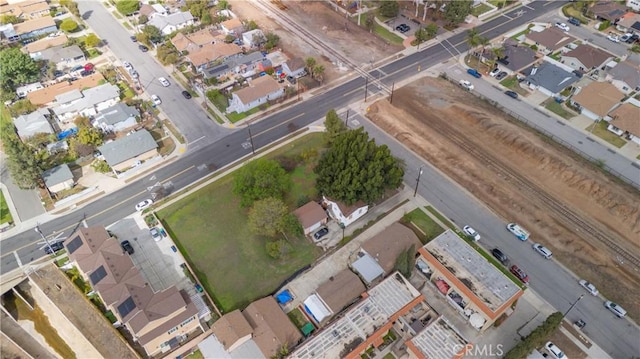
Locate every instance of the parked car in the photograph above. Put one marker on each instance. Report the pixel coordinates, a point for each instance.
(466, 84)
(143, 48)
(511, 94)
(633, 39)
(562, 26)
(613, 37)
(321, 233)
(164, 81)
(615, 308)
(474, 73)
(494, 72)
(469, 231)
(127, 66)
(555, 351)
(186, 94)
(573, 21)
(519, 273)
(580, 323)
(518, 231)
(156, 100)
(85, 73)
(544, 251)
(144, 204)
(501, 75)
(500, 256)
(134, 74)
(589, 287)
(403, 28)
(53, 248)
(626, 37)
(155, 234)
(76, 68)
(89, 66)
(127, 247)
(133, 38)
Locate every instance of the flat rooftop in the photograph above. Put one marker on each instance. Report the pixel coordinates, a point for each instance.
(474, 271)
(384, 300)
(439, 340)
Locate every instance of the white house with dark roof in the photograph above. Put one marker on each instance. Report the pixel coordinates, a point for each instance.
(311, 216)
(343, 213)
(258, 92)
(294, 67)
(253, 38)
(118, 117)
(550, 77)
(58, 178)
(124, 152)
(62, 57)
(625, 76)
(86, 103)
(33, 123)
(173, 22)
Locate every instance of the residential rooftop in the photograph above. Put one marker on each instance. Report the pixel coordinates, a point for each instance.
(439, 340)
(598, 97)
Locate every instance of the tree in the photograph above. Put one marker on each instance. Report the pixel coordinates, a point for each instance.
(223, 5)
(405, 261)
(267, 217)
(229, 38)
(20, 159)
(206, 18)
(127, 7)
(536, 338)
(309, 63)
(456, 11)
(68, 25)
(143, 19)
(250, 25)
(17, 68)
(334, 126)
(272, 40)
(260, 179)
(92, 40)
(431, 29)
(89, 136)
(370, 21)
(197, 7)
(483, 42)
(355, 169)
(22, 107)
(153, 33)
(10, 19)
(317, 72)
(389, 8)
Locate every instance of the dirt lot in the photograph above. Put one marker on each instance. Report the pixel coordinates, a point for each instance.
(613, 208)
(356, 43)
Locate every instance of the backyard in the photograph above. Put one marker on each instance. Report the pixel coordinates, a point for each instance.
(210, 227)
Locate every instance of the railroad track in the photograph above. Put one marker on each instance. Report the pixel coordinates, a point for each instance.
(317, 43)
(530, 188)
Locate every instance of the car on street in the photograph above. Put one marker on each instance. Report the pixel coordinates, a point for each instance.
(615, 308)
(156, 100)
(474, 73)
(55, 246)
(613, 38)
(143, 48)
(494, 72)
(134, 74)
(542, 250)
(555, 352)
(511, 94)
(589, 287)
(321, 233)
(144, 204)
(626, 37)
(469, 231)
(562, 26)
(519, 273)
(580, 323)
(403, 28)
(164, 81)
(127, 66)
(155, 234)
(501, 75)
(186, 94)
(466, 84)
(133, 38)
(573, 21)
(127, 247)
(500, 256)
(518, 231)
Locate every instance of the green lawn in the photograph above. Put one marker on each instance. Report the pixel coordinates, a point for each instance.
(600, 129)
(210, 228)
(558, 109)
(386, 34)
(570, 10)
(480, 9)
(440, 217)
(425, 223)
(298, 319)
(235, 117)
(5, 215)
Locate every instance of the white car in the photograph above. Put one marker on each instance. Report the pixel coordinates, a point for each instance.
(466, 84)
(127, 66)
(134, 74)
(164, 81)
(155, 234)
(144, 204)
(494, 72)
(562, 26)
(469, 231)
(518, 231)
(589, 287)
(555, 351)
(156, 99)
(612, 37)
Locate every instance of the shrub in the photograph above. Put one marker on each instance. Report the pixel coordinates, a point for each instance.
(101, 166)
(68, 25)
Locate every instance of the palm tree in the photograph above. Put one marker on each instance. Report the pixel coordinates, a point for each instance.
(498, 52)
(310, 62)
(472, 39)
(482, 42)
(318, 70)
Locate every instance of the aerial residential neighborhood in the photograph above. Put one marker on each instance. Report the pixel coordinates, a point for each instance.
(320, 179)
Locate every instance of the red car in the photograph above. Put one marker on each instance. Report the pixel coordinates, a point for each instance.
(89, 67)
(520, 274)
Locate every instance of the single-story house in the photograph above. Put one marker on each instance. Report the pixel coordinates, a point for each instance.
(253, 38)
(124, 152)
(277, 58)
(34, 48)
(264, 65)
(210, 54)
(608, 10)
(58, 178)
(550, 78)
(25, 10)
(633, 5)
(242, 64)
(31, 124)
(294, 67)
(341, 290)
(22, 91)
(597, 99)
(258, 92)
(8, 32)
(36, 27)
(153, 10)
(367, 267)
(118, 117)
(387, 245)
(549, 40)
(232, 27)
(62, 57)
(311, 216)
(516, 56)
(87, 102)
(625, 76)
(170, 23)
(586, 58)
(48, 94)
(629, 23)
(192, 41)
(625, 121)
(345, 214)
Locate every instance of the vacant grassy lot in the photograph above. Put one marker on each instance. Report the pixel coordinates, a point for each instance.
(211, 230)
(5, 215)
(424, 223)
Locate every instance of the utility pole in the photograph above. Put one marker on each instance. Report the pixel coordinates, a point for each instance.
(391, 95)
(366, 88)
(572, 305)
(415, 192)
(347, 118)
(253, 149)
(37, 229)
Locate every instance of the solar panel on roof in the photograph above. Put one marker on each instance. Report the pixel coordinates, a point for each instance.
(126, 307)
(74, 244)
(97, 275)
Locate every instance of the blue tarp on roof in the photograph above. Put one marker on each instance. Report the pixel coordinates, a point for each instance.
(284, 297)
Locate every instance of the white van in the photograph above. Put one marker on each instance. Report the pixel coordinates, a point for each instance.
(544, 251)
(616, 309)
(518, 231)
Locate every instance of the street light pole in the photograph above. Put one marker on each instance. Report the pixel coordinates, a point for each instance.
(572, 305)
(253, 149)
(37, 229)
(346, 120)
(366, 88)
(415, 192)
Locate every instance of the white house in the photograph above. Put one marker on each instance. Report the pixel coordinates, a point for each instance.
(22, 91)
(232, 27)
(86, 103)
(625, 76)
(173, 22)
(116, 118)
(62, 57)
(260, 91)
(58, 178)
(253, 38)
(294, 67)
(33, 123)
(345, 214)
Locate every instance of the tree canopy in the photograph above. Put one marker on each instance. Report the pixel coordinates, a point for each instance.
(17, 68)
(354, 168)
(92, 40)
(334, 126)
(68, 25)
(456, 11)
(153, 33)
(21, 161)
(267, 217)
(260, 179)
(127, 7)
(389, 8)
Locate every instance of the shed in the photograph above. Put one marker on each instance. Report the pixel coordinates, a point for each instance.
(311, 216)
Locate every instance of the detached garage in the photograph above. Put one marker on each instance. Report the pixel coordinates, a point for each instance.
(311, 216)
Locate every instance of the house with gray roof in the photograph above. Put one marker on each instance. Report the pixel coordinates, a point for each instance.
(243, 64)
(86, 103)
(58, 178)
(516, 56)
(31, 124)
(62, 57)
(118, 117)
(549, 78)
(126, 151)
(173, 22)
(625, 76)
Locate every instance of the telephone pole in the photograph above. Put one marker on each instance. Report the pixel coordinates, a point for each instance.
(415, 192)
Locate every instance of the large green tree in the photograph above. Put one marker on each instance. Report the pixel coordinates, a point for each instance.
(20, 158)
(259, 179)
(17, 68)
(389, 8)
(153, 33)
(267, 217)
(127, 7)
(334, 126)
(355, 168)
(456, 11)
(68, 25)
(92, 40)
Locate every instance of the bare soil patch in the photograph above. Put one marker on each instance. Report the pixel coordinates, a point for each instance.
(612, 207)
